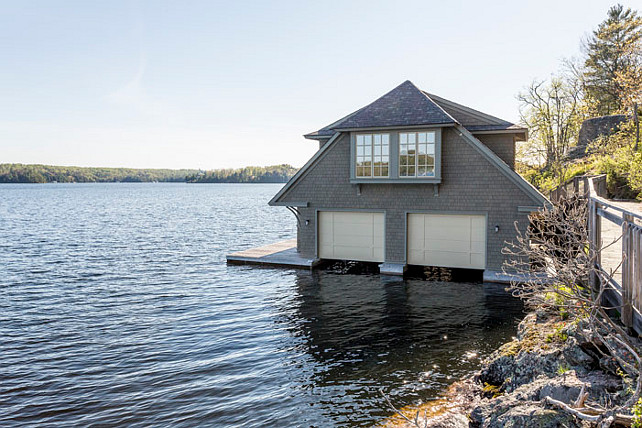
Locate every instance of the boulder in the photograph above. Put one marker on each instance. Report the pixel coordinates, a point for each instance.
(593, 128)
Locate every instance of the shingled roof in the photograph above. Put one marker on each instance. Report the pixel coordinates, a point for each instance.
(407, 105)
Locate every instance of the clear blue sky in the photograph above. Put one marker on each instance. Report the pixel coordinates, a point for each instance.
(205, 84)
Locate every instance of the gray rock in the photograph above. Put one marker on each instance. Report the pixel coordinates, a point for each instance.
(592, 129)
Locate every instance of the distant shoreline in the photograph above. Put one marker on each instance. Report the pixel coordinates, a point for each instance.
(15, 173)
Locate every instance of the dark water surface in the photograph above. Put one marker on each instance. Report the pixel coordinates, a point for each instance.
(117, 308)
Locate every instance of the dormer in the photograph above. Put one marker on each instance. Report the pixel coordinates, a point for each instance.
(397, 138)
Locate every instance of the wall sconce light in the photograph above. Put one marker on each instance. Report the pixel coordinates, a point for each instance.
(496, 228)
(307, 222)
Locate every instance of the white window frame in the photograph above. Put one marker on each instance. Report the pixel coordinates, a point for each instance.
(374, 147)
(430, 150)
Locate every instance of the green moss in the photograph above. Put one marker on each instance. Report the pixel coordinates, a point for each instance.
(492, 390)
(510, 349)
(559, 334)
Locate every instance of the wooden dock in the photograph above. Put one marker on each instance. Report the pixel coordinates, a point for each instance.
(281, 254)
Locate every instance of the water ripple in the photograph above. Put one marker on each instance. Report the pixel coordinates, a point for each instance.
(116, 308)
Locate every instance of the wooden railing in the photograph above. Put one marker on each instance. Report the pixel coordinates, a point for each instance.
(625, 293)
(580, 185)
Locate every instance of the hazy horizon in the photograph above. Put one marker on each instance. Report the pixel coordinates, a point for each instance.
(211, 85)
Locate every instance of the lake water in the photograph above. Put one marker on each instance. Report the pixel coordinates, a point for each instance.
(117, 308)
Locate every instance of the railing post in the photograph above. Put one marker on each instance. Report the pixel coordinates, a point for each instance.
(627, 271)
(592, 246)
(637, 271)
(598, 234)
(595, 243)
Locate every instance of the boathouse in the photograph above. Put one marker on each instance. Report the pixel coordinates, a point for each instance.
(411, 179)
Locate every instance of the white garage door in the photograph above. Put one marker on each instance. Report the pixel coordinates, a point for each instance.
(455, 241)
(351, 236)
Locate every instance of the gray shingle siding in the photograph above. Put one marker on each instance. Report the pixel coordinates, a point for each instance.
(502, 145)
(471, 184)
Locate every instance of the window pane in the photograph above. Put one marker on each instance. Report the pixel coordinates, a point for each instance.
(421, 171)
(377, 150)
(403, 160)
(359, 150)
(384, 150)
(431, 137)
(431, 160)
(411, 159)
(377, 139)
(367, 139)
(422, 137)
(377, 171)
(411, 171)
(386, 139)
(411, 138)
(367, 150)
(359, 140)
(430, 149)
(403, 138)
(403, 171)
(403, 149)
(384, 171)
(422, 160)
(421, 148)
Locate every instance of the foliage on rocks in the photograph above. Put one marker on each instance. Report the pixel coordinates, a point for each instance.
(559, 262)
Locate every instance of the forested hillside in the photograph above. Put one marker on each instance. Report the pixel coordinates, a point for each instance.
(21, 173)
(250, 174)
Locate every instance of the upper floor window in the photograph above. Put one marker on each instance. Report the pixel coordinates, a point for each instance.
(417, 154)
(373, 157)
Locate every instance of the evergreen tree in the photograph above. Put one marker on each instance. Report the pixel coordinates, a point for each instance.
(613, 51)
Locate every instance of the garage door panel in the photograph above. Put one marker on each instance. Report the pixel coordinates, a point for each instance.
(353, 253)
(479, 225)
(477, 259)
(351, 235)
(447, 258)
(446, 245)
(352, 218)
(351, 230)
(456, 240)
(478, 246)
(346, 240)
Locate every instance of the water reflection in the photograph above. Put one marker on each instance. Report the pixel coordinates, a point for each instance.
(410, 337)
(117, 308)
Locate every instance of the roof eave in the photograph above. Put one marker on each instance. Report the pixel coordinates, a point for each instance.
(520, 132)
(312, 136)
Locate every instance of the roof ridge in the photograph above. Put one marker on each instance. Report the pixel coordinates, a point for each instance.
(469, 110)
(436, 103)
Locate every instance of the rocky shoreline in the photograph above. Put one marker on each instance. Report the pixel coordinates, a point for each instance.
(548, 358)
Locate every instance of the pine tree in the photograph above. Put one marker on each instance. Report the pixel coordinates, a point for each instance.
(613, 51)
